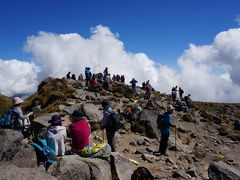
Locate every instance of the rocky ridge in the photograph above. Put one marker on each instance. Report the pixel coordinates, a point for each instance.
(205, 135)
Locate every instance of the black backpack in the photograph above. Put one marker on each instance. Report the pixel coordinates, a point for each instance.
(142, 173)
(160, 121)
(113, 122)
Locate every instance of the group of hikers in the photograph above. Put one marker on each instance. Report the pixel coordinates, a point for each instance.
(55, 135)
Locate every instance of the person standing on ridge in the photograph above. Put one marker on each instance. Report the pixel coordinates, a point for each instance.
(149, 90)
(68, 75)
(88, 76)
(133, 82)
(180, 91)
(111, 122)
(167, 122)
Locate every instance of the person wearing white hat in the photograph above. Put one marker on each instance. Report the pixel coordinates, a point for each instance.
(17, 117)
(165, 130)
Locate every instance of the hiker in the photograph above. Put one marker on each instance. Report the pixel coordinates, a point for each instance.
(174, 93)
(114, 78)
(94, 81)
(73, 77)
(122, 79)
(106, 81)
(80, 77)
(17, 119)
(180, 91)
(56, 135)
(88, 76)
(188, 100)
(117, 78)
(165, 129)
(143, 85)
(105, 72)
(149, 90)
(130, 115)
(79, 130)
(100, 78)
(107, 122)
(133, 82)
(68, 75)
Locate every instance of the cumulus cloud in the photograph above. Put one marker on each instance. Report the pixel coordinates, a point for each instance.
(18, 77)
(207, 72)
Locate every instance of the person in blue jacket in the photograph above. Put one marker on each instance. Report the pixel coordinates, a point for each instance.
(165, 130)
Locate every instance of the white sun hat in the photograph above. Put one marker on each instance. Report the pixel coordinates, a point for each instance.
(17, 100)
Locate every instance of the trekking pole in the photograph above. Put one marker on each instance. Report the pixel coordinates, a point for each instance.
(103, 137)
(176, 143)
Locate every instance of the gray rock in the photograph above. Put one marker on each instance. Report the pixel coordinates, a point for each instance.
(100, 169)
(92, 112)
(150, 149)
(180, 174)
(169, 161)
(150, 158)
(15, 173)
(150, 117)
(123, 167)
(70, 167)
(43, 120)
(133, 143)
(192, 172)
(69, 109)
(188, 118)
(13, 151)
(221, 171)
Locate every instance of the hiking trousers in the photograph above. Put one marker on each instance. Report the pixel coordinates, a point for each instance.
(111, 140)
(163, 143)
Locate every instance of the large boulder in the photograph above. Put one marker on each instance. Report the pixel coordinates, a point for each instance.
(99, 169)
(221, 171)
(16, 173)
(42, 121)
(122, 168)
(149, 117)
(92, 112)
(70, 167)
(14, 150)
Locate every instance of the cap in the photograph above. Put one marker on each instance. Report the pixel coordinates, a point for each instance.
(55, 120)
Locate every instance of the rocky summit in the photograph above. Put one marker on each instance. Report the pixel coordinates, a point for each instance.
(204, 145)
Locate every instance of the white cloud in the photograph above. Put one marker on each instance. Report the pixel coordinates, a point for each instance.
(208, 72)
(237, 19)
(17, 77)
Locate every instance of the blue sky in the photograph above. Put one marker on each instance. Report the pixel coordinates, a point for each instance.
(195, 42)
(160, 28)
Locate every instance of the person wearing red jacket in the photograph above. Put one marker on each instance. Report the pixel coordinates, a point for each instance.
(80, 131)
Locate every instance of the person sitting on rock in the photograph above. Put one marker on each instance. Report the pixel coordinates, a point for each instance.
(17, 118)
(68, 75)
(73, 77)
(56, 135)
(122, 78)
(80, 77)
(165, 129)
(79, 130)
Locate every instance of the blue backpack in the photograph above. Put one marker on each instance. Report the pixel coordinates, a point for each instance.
(5, 119)
(48, 154)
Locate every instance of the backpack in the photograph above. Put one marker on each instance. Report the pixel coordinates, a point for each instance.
(102, 151)
(5, 119)
(142, 173)
(48, 154)
(160, 121)
(113, 122)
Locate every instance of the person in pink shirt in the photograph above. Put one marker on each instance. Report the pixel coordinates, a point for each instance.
(80, 131)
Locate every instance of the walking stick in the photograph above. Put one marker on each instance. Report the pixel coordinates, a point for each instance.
(176, 143)
(103, 137)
